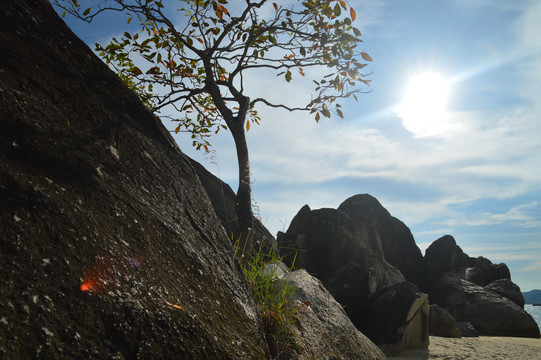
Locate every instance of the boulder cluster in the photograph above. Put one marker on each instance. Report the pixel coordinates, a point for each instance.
(369, 262)
(115, 245)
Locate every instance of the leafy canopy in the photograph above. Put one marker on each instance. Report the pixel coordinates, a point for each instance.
(200, 63)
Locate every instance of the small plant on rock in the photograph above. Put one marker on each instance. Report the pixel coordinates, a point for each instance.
(272, 292)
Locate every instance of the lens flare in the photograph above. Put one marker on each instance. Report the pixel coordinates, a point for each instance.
(109, 271)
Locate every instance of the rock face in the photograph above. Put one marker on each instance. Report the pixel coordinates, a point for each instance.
(467, 330)
(397, 242)
(321, 328)
(347, 255)
(223, 200)
(475, 290)
(93, 187)
(444, 255)
(507, 289)
(339, 252)
(398, 318)
(490, 313)
(442, 323)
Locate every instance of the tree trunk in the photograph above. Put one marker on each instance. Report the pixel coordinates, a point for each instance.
(236, 126)
(244, 193)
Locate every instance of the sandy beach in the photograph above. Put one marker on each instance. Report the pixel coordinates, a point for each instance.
(484, 347)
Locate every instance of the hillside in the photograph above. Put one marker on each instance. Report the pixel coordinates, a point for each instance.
(532, 297)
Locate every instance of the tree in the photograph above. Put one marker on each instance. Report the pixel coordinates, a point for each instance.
(199, 66)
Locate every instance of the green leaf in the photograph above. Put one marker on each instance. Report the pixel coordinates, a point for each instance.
(337, 9)
(288, 76)
(86, 11)
(302, 51)
(154, 71)
(136, 71)
(64, 14)
(129, 20)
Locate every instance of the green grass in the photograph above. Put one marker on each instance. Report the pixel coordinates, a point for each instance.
(272, 295)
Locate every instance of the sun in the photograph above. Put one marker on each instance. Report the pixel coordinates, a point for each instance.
(424, 107)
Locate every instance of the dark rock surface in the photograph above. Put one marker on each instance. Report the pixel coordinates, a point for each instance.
(508, 289)
(477, 291)
(347, 255)
(223, 200)
(467, 330)
(86, 173)
(490, 313)
(339, 252)
(321, 328)
(397, 242)
(444, 255)
(442, 323)
(397, 318)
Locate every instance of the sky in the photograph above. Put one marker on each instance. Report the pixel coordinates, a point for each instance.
(447, 137)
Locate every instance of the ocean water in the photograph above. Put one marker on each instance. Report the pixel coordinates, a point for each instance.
(535, 311)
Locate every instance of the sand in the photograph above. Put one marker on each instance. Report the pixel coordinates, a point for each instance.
(481, 348)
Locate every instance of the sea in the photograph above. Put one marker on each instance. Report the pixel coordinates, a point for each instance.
(535, 311)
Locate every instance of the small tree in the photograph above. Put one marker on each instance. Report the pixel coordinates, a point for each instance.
(199, 65)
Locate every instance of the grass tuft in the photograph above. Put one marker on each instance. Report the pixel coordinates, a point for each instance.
(272, 292)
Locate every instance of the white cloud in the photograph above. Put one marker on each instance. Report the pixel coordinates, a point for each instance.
(516, 215)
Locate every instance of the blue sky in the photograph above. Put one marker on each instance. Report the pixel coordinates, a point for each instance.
(472, 170)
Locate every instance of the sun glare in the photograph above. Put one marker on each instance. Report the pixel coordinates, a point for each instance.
(423, 110)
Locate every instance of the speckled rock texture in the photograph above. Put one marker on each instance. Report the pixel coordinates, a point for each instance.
(320, 327)
(87, 173)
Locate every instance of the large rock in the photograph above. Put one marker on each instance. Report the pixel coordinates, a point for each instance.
(321, 328)
(93, 188)
(394, 237)
(342, 254)
(397, 318)
(441, 323)
(508, 289)
(444, 255)
(348, 257)
(477, 291)
(466, 329)
(490, 313)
